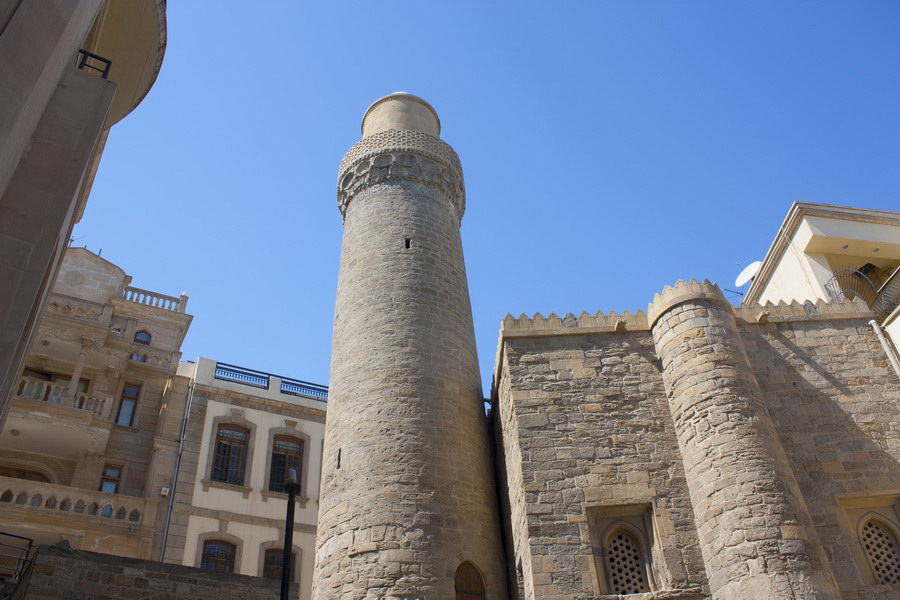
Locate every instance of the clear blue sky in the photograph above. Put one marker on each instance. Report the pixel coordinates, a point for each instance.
(609, 149)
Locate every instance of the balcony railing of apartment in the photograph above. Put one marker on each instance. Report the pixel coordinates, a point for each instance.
(263, 380)
(887, 299)
(87, 61)
(148, 298)
(14, 551)
(51, 392)
(849, 284)
(53, 499)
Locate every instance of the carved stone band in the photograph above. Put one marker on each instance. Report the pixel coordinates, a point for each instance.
(401, 155)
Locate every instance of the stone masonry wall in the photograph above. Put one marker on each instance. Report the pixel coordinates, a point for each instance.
(754, 529)
(836, 405)
(79, 575)
(585, 427)
(586, 430)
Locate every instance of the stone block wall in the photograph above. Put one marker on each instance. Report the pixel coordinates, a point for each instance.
(836, 405)
(588, 436)
(587, 439)
(64, 573)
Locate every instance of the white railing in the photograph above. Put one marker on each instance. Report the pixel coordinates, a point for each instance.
(55, 393)
(50, 498)
(148, 298)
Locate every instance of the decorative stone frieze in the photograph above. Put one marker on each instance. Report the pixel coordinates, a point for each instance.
(401, 155)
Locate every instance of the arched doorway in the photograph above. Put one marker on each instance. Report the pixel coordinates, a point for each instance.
(469, 584)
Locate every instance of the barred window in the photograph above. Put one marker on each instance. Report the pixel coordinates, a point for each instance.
(882, 550)
(287, 453)
(230, 458)
(627, 571)
(218, 556)
(272, 563)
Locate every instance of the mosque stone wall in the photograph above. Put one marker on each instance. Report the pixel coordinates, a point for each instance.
(785, 441)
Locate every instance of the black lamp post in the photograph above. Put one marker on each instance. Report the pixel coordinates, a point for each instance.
(291, 486)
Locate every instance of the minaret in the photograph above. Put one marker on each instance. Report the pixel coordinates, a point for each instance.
(408, 507)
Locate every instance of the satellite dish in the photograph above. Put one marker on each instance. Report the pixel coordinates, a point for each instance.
(748, 274)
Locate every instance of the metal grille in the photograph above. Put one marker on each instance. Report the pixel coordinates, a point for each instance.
(272, 563)
(287, 453)
(218, 556)
(626, 568)
(881, 546)
(230, 457)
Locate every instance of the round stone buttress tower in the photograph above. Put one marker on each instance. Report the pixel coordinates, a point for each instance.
(407, 489)
(756, 535)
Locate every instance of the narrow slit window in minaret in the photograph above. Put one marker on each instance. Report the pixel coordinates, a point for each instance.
(407, 242)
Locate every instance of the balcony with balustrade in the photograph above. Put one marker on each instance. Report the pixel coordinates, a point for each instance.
(155, 300)
(49, 512)
(47, 418)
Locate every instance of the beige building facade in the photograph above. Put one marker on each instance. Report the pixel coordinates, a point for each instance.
(243, 430)
(114, 445)
(836, 253)
(71, 70)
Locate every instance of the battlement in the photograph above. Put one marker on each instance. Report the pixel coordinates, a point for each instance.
(802, 311)
(570, 324)
(681, 291)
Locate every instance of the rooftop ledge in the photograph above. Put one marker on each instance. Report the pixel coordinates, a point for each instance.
(257, 383)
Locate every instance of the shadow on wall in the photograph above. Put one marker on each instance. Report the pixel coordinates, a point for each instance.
(834, 400)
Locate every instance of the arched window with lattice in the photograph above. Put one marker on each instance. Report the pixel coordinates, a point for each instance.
(626, 564)
(882, 549)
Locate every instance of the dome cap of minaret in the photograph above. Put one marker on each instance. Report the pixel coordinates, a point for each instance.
(401, 111)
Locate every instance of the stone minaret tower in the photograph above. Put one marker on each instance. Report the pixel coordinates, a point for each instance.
(407, 489)
(755, 532)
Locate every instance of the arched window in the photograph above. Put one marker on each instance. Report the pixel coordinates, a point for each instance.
(142, 337)
(230, 458)
(625, 564)
(468, 583)
(218, 556)
(287, 453)
(23, 474)
(272, 563)
(883, 552)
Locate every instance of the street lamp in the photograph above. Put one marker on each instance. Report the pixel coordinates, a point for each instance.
(291, 486)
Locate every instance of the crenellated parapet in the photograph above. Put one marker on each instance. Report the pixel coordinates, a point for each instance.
(401, 155)
(671, 296)
(683, 291)
(802, 311)
(569, 324)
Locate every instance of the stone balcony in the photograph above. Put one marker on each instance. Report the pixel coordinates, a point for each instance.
(53, 499)
(91, 520)
(45, 420)
(54, 393)
(156, 300)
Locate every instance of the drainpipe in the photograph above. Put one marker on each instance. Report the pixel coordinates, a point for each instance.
(184, 420)
(886, 344)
